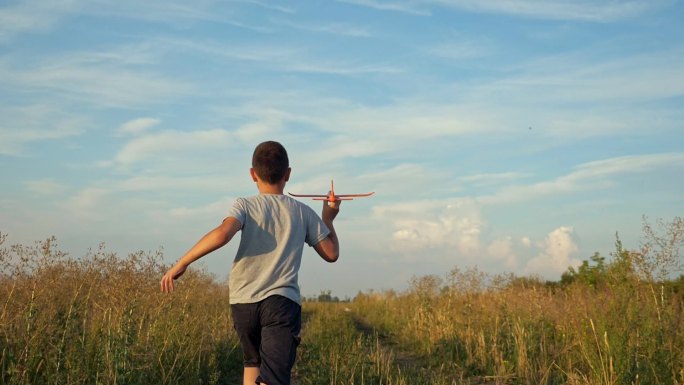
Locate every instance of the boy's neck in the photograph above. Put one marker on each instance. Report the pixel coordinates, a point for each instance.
(268, 188)
(265, 188)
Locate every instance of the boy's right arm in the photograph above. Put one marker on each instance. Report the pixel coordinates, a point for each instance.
(213, 240)
(329, 248)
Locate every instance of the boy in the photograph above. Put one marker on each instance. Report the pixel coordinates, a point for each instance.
(264, 293)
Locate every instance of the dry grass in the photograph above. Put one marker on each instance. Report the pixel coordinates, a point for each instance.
(537, 334)
(101, 320)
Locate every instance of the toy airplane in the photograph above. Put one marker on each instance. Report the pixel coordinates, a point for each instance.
(331, 196)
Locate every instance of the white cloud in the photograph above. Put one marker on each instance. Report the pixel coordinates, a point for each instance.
(410, 235)
(456, 234)
(214, 209)
(342, 29)
(282, 58)
(557, 254)
(343, 147)
(96, 79)
(339, 129)
(460, 50)
(138, 126)
(586, 10)
(404, 122)
(205, 183)
(168, 11)
(400, 181)
(261, 53)
(526, 242)
(165, 11)
(268, 124)
(22, 125)
(590, 175)
(493, 178)
(46, 186)
(131, 198)
(87, 202)
(425, 225)
(395, 6)
(337, 67)
(550, 95)
(582, 77)
(502, 250)
(627, 164)
(173, 144)
(33, 16)
(270, 6)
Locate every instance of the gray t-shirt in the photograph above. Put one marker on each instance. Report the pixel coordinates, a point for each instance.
(274, 230)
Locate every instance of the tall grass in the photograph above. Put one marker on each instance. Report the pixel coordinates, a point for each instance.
(621, 323)
(100, 319)
(533, 333)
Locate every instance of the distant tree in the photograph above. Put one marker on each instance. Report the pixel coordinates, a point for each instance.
(657, 261)
(469, 281)
(621, 269)
(326, 296)
(427, 286)
(591, 272)
(524, 283)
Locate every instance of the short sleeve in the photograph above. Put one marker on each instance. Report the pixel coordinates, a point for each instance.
(316, 230)
(238, 211)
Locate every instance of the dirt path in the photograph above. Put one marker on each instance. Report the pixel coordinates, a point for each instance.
(339, 345)
(411, 364)
(405, 361)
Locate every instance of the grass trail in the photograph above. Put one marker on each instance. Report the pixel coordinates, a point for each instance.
(335, 351)
(339, 347)
(406, 362)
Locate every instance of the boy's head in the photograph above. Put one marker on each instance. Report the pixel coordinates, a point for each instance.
(270, 162)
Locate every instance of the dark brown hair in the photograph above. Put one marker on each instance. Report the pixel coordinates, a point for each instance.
(270, 162)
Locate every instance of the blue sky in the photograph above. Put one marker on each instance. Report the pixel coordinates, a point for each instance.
(515, 136)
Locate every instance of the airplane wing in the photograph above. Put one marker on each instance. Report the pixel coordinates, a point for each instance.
(307, 195)
(341, 197)
(354, 195)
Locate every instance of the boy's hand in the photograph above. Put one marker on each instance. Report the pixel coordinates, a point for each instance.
(173, 273)
(329, 248)
(330, 210)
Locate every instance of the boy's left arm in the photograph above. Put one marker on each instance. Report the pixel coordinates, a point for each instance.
(329, 248)
(213, 240)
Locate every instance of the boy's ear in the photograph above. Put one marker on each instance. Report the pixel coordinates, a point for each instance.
(287, 174)
(253, 174)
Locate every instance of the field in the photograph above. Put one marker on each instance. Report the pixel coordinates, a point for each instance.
(100, 319)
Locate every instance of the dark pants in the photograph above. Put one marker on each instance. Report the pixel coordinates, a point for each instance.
(269, 336)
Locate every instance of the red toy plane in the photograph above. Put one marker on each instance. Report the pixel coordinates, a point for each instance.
(331, 197)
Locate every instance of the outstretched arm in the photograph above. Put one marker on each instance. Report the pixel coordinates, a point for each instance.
(213, 240)
(329, 248)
